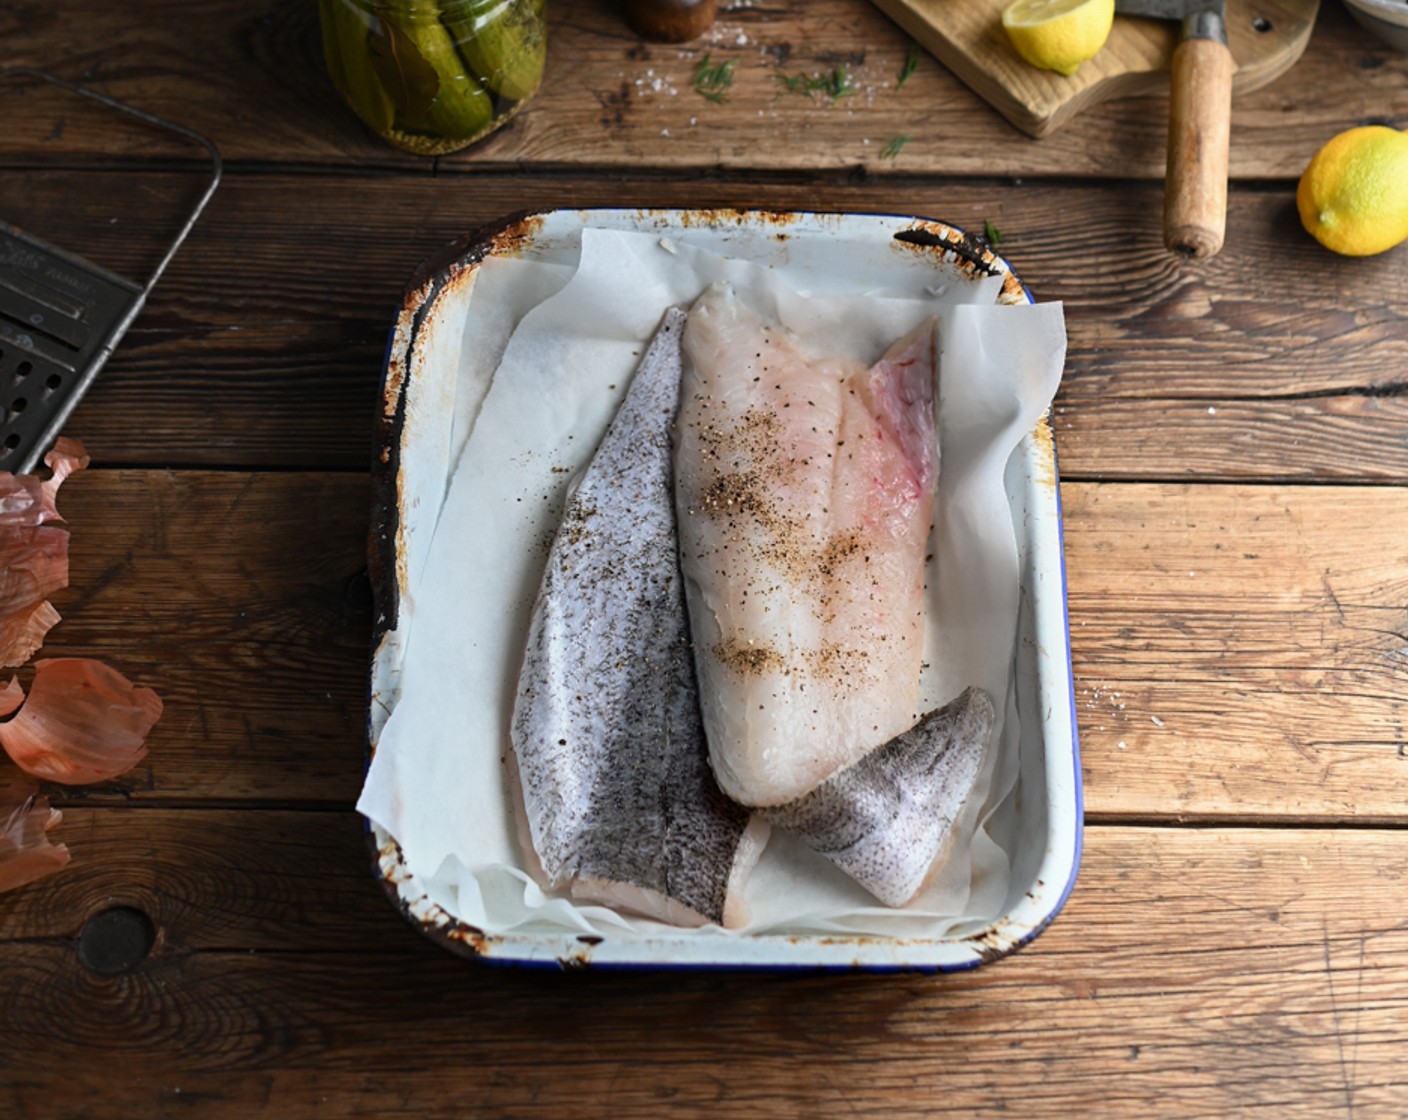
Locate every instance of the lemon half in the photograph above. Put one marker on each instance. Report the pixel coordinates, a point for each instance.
(1058, 34)
(1353, 195)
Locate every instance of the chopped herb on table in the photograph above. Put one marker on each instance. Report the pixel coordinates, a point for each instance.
(911, 63)
(833, 86)
(712, 82)
(991, 233)
(892, 149)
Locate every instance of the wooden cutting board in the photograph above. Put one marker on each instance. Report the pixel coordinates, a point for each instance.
(1265, 36)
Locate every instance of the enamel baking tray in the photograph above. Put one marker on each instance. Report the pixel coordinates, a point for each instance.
(1043, 817)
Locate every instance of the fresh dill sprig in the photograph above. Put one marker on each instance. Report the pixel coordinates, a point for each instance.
(712, 82)
(991, 233)
(838, 84)
(892, 149)
(911, 64)
(833, 86)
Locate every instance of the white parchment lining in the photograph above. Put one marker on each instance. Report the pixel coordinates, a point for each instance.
(437, 779)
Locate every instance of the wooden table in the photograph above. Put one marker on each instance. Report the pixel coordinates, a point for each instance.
(1233, 438)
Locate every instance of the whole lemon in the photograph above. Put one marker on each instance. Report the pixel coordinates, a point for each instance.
(1058, 34)
(1353, 196)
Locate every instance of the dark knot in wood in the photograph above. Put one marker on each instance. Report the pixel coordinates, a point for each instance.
(115, 940)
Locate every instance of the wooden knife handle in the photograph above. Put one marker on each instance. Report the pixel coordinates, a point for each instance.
(1199, 132)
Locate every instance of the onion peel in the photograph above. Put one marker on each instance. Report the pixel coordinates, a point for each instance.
(33, 552)
(64, 458)
(22, 632)
(11, 697)
(26, 854)
(82, 722)
(26, 499)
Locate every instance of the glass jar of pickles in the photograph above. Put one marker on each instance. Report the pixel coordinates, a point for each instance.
(432, 76)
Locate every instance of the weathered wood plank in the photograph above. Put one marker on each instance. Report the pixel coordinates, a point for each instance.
(242, 599)
(251, 77)
(1238, 650)
(1285, 996)
(263, 344)
(215, 879)
(1354, 436)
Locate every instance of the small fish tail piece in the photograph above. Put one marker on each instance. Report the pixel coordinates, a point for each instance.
(886, 818)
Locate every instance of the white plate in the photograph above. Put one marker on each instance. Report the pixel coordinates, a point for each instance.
(1041, 821)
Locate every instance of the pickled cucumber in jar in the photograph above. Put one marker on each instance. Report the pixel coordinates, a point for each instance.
(431, 76)
(503, 43)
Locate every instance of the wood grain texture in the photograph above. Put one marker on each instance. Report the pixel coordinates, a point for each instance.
(263, 344)
(1266, 38)
(250, 76)
(243, 600)
(1237, 650)
(215, 880)
(1194, 973)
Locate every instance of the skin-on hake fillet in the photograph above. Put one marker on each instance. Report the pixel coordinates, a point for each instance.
(607, 735)
(805, 494)
(887, 819)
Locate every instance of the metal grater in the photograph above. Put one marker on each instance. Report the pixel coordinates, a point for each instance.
(61, 316)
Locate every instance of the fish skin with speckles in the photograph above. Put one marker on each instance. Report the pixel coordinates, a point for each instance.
(608, 742)
(886, 819)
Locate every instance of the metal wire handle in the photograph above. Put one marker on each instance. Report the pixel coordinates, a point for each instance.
(35, 416)
(217, 165)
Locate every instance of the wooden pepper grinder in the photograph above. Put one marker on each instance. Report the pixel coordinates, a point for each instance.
(671, 21)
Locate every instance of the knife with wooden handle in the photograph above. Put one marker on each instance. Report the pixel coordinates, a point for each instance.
(1199, 123)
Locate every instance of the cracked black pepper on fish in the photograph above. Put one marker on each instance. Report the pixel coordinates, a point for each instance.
(791, 564)
(608, 740)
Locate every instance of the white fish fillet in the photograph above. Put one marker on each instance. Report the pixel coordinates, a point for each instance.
(805, 497)
(607, 734)
(887, 819)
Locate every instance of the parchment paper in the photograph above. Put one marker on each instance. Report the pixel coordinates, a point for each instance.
(437, 778)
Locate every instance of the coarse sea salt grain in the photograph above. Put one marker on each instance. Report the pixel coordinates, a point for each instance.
(655, 83)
